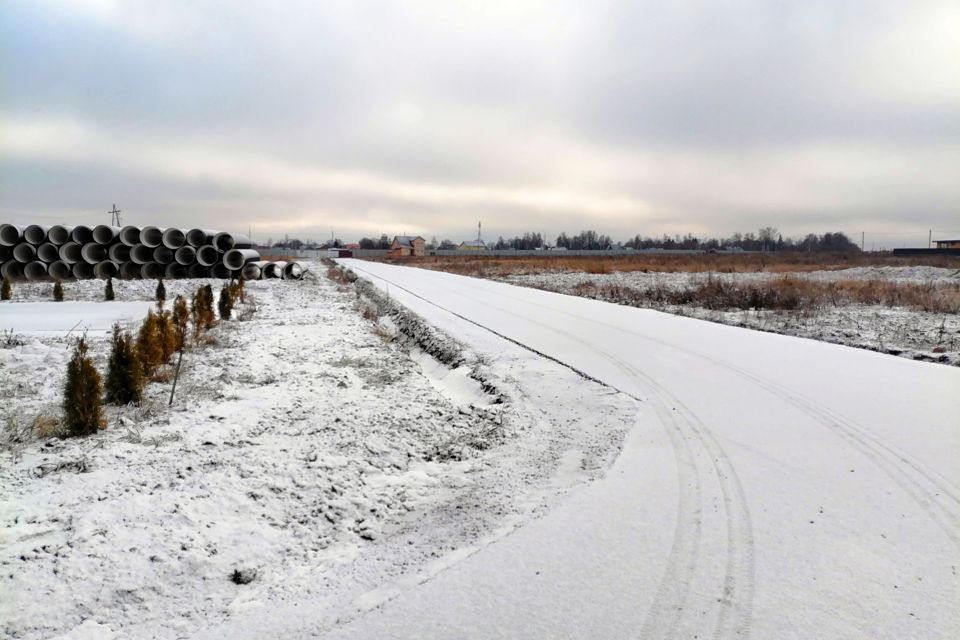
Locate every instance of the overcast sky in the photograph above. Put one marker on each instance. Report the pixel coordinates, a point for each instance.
(425, 117)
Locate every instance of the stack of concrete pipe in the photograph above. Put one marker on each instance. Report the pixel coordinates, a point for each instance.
(37, 252)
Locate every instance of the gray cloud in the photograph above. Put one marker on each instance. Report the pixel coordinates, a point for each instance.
(625, 117)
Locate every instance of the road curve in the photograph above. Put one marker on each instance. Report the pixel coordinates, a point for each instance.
(773, 487)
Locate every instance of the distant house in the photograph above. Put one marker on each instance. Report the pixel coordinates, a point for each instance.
(948, 244)
(407, 246)
(472, 245)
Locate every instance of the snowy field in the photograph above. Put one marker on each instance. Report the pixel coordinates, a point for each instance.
(918, 335)
(314, 450)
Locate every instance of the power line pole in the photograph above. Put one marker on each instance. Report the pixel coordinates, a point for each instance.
(863, 235)
(115, 217)
(929, 238)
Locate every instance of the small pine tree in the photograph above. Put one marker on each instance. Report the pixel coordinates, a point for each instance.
(161, 294)
(239, 292)
(225, 303)
(58, 290)
(6, 291)
(82, 405)
(124, 373)
(108, 290)
(180, 318)
(148, 346)
(168, 335)
(202, 310)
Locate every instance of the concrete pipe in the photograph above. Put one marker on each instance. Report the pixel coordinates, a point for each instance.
(105, 234)
(11, 269)
(198, 237)
(130, 235)
(82, 271)
(221, 271)
(151, 237)
(59, 234)
(60, 270)
(129, 270)
(175, 271)
(24, 252)
(119, 253)
(197, 270)
(106, 269)
(48, 252)
(185, 255)
(93, 253)
(141, 254)
(10, 235)
(274, 270)
(251, 271)
(293, 271)
(6, 253)
(71, 252)
(208, 255)
(152, 271)
(36, 234)
(174, 238)
(162, 255)
(35, 270)
(81, 234)
(224, 241)
(236, 258)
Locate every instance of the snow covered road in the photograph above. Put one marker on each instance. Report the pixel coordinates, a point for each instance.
(773, 487)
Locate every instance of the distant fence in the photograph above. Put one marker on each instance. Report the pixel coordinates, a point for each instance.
(926, 252)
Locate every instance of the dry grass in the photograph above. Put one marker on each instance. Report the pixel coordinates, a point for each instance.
(490, 266)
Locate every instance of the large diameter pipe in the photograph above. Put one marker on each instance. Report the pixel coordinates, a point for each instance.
(197, 270)
(35, 270)
(141, 254)
(198, 237)
(36, 234)
(185, 255)
(24, 252)
(106, 269)
(174, 238)
(152, 271)
(293, 271)
(274, 269)
(82, 270)
(129, 270)
(60, 270)
(162, 255)
(93, 253)
(224, 241)
(221, 271)
(10, 234)
(81, 234)
(11, 269)
(151, 237)
(130, 235)
(48, 252)
(208, 255)
(6, 253)
(251, 271)
(236, 258)
(119, 253)
(175, 271)
(105, 234)
(59, 234)
(71, 252)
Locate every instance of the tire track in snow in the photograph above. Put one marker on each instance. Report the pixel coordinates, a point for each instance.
(671, 608)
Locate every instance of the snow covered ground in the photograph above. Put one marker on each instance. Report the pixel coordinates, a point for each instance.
(311, 449)
(774, 487)
(918, 335)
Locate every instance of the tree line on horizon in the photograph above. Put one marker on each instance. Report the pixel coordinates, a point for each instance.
(766, 239)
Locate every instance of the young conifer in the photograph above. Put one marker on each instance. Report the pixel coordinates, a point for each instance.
(148, 346)
(161, 294)
(82, 404)
(180, 318)
(108, 290)
(202, 310)
(225, 303)
(124, 373)
(168, 334)
(58, 290)
(6, 291)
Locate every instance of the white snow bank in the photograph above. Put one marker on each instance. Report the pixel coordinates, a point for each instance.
(58, 318)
